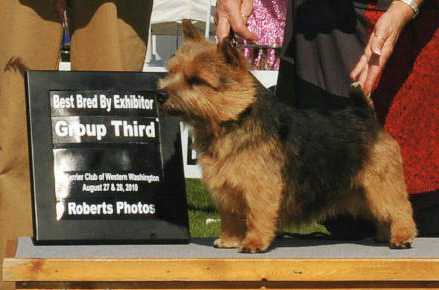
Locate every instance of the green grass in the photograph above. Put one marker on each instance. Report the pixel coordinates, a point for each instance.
(201, 209)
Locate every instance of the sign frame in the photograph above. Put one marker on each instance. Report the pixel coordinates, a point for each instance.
(170, 225)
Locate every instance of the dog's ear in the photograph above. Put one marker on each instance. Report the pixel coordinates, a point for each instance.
(190, 32)
(231, 54)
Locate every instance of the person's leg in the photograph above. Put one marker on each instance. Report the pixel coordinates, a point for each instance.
(109, 35)
(29, 35)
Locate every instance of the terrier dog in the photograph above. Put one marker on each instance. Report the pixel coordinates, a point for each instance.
(266, 164)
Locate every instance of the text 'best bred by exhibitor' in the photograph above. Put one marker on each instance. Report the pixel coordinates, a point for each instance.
(102, 101)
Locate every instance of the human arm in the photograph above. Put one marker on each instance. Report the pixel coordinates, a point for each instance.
(381, 44)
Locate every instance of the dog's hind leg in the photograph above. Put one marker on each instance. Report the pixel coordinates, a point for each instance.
(393, 215)
(386, 194)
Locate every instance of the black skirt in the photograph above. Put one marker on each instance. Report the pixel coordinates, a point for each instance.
(324, 40)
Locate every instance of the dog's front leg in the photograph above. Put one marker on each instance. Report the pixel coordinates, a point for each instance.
(261, 230)
(233, 228)
(262, 221)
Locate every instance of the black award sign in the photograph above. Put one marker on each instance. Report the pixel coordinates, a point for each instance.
(105, 166)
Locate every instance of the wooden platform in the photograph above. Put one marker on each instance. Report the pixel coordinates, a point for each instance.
(291, 264)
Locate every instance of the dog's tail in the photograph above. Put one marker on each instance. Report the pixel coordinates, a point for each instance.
(359, 98)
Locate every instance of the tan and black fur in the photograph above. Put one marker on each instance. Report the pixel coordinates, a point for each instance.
(266, 164)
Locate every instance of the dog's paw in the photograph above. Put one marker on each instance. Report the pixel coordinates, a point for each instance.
(401, 241)
(402, 237)
(253, 246)
(401, 244)
(226, 243)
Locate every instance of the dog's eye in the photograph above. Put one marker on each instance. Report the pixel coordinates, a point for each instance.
(194, 80)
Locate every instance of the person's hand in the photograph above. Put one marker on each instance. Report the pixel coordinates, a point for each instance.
(233, 14)
(380, 46)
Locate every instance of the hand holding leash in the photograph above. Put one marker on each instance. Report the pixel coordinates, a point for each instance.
(232, 14)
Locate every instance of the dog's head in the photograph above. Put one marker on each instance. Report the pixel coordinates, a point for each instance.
(206, 81)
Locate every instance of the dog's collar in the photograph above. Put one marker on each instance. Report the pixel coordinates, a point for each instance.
(243, 115)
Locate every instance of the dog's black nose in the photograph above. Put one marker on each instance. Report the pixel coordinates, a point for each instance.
(162, 96)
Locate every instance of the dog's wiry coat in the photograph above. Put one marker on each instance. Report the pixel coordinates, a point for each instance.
(266, 164)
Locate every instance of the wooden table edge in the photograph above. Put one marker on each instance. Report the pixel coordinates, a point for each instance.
(208, 269)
